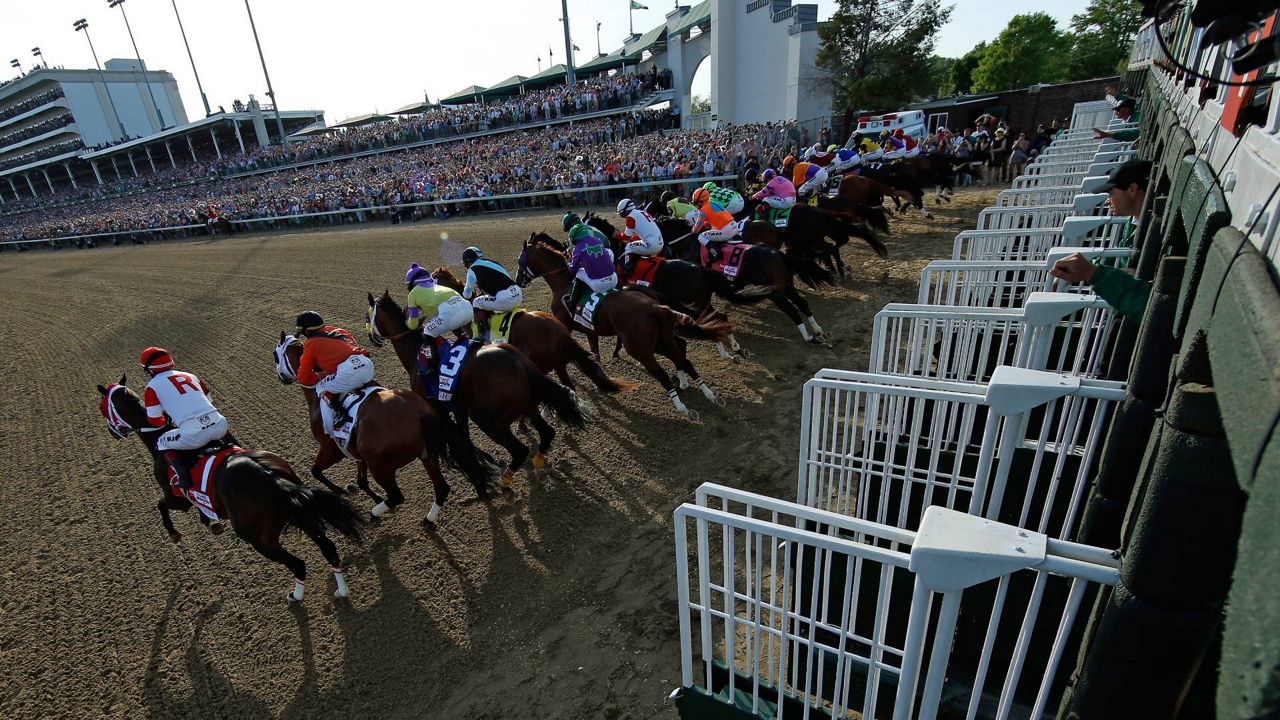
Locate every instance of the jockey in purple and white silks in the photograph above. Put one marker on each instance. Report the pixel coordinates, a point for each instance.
(778, 192)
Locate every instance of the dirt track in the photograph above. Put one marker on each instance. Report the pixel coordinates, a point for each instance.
(558, 602)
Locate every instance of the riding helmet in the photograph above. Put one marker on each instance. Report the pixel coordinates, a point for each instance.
(699, 196)
(569, 221)
(310, 320)
(788, 160)
(416, 273)
(832, 148)
(470, 255)
(767, 175)
(667, 196)
(155, 358)
(625, 206)
(709, 185)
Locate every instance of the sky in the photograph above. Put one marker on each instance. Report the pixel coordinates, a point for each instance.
(349, 57)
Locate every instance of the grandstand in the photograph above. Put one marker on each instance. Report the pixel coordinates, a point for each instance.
(1033, 505)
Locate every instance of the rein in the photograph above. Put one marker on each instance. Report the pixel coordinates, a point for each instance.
(377, 334)
(117, 422)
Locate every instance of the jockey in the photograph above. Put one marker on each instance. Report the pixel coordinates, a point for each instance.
(592, 261)
(895, 147)
(869, 149)
(679, 207)
(727, 198)
(435, 308)
(716, 226)
(500, 292)
(331, 362)
(184, 398)
(641, 231)
(820, 157)
(778, 192)
(909, 143)
(845, 160)
(808, 177)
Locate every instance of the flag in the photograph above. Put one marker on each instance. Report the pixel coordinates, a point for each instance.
(577, 49)
(637, 6)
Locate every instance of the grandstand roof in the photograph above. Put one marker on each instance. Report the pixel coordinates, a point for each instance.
(318, 128)
(359, 120)
(463, 96)
(699, 15)
(615, 59)
(510, 86)
(202, 123)
(414, 108)
(554, 74)
(653, 41)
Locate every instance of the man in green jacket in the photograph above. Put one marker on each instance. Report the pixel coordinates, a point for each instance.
(1126, 110)
(1126, 188)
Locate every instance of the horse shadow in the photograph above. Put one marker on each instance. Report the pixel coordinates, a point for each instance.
(212, 691)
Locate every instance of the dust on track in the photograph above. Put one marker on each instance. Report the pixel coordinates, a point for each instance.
(558, 602)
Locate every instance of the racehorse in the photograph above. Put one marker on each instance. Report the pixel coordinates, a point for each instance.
(861, 191)
(496, 386)
(216, 225)
(942, 170)
(808, 227)
(393, 428)
(765, 272)
(903, 177)
(645, 326)
(548, 344)
(256, 490)
(680, 284)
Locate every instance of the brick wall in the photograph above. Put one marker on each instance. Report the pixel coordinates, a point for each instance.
(1025, 110)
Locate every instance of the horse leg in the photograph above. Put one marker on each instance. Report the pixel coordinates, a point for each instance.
(617, 347)
(167, 521)
(562, 374)
(686, 372)
(330, 553)
(326, 457)
(385, 476)
(502, 435)
(803, 306)
(645, 357)
(546, 434)
(780, 298)
(275, 551)
(362, 482)
(441, 487)
(917, 199)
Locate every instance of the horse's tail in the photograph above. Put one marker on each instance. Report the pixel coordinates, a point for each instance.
(876, 216)
(443, 440)
(557, 396)
(808, 270)
(594, 371)
(713, 326)
(310, 509)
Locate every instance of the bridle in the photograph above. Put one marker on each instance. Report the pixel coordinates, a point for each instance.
(284, 369)
(524, 267)
(371, 328)
(117, 425)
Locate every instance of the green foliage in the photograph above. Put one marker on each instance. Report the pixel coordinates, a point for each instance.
(700, 103)
(960, 80)
(872, 64)
(1101, 37)
(939, 76)
(1031, 49)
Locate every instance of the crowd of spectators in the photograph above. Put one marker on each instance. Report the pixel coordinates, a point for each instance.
(31, 103)
(990, 152)
(39, 128)
(46, 151)
(467, 176)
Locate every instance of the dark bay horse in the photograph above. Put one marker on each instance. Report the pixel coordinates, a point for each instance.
(393, 428)
(680, 284)
(548, 344)
(255, 490)
(496, 386)
(646, 327)
(809, 227)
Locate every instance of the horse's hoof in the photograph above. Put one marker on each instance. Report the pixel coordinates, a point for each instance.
(217, 527)
(341, 594)
(291, 599)
(720, 402)
(693, 415)
(735, 359)
(175, 537)
(352, 489)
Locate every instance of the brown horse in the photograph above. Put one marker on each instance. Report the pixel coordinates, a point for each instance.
(496, 386)
(645, 326)
(548, 344)
(393, 428)
(255, 490)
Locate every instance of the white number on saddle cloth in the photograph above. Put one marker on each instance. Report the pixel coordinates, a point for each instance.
(733, 259)
(450, 364)
(586, 316)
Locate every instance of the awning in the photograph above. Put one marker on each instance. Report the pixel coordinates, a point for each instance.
(615, 59)
(510, 86)
(316, 129)
(465, 95)
(699, 15)
(414, 108)
(655, 41)
(550, 76)
(366, 119)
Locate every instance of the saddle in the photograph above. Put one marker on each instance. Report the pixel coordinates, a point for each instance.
(730, 261)
(351, 403)
(642, 270)
(204, 466)
(494, 328)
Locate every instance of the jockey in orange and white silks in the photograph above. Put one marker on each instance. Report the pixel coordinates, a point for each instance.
(332, 363)
(182, 400)
(715, 225)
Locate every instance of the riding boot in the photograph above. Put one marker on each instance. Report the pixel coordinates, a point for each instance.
(713, 252)
(182, 476)
(570, 296)
(430, 365)
(339, 413)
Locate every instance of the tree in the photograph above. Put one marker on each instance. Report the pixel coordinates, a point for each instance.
(1101, 37)
(871, 64)
(939, 76)
(700, 104)
(1031, 49)
(960, 81)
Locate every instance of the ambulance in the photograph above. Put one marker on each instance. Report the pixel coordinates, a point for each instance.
(910, 122)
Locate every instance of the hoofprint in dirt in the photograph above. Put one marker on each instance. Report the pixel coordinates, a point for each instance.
(558, 602)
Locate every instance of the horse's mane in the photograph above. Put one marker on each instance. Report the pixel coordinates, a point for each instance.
(388, 303)
(547, 242)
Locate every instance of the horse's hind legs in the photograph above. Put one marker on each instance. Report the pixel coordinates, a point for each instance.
(330, 552)
(546, 434)
(295, 564)
(167, 521)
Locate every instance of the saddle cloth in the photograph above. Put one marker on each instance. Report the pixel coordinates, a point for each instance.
(730, 260)
(452, 355)
(585, 309)
(777, 217)
(351, 405)
(204, 473)
(644, 268)
(498, 326)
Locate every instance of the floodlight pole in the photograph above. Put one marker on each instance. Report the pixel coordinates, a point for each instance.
(568, 44)
(284, 140)
(203, 97)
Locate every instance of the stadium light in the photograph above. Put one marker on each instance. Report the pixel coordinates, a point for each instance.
(284, 140)
(83, 25)
(35, 51)
(14, 62)
(145, 80)
(203, 98)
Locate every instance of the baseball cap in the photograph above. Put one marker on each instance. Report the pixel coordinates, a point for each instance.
(1129, 103)
(1133, 171)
